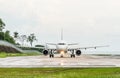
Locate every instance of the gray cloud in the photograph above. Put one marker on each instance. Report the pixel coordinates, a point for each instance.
(95, 21)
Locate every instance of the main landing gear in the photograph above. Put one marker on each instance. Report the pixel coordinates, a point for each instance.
(51, 54)
(73, 54)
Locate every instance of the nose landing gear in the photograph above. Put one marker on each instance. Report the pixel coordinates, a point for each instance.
(62, 53)
(61, 56)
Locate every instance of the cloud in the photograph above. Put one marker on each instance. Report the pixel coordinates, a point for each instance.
(81, 19)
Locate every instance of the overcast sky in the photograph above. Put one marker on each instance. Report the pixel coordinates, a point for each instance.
(88, 22)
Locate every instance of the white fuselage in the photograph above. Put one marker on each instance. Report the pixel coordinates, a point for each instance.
(61, 47)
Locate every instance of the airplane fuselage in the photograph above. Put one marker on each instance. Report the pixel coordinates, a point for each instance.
(62, 48)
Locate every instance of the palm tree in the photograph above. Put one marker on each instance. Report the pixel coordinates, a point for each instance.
(15, 34)
(23, 38)
(31, 38)
(2, 25)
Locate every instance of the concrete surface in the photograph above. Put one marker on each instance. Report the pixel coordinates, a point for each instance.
(45, 61)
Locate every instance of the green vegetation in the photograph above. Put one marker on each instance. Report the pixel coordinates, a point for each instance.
(59, 72)
(22, 38)
(31, 48)
(31, 38)
(39, 46)
(2, 25)
(4, 54)
(5, 35)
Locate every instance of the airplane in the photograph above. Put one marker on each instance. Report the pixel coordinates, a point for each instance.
(62, 48)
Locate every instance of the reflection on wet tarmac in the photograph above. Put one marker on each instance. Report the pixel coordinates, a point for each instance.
(45, 61)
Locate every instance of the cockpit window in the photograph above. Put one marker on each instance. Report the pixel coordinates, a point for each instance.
(61, 43)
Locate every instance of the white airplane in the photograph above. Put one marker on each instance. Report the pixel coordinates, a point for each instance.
(62, 48)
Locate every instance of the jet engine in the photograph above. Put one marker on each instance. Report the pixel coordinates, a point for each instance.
(45, 52)
(78, 52)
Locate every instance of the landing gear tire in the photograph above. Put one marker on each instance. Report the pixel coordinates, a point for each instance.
(61, 56)
(73, 56)
(51, 56)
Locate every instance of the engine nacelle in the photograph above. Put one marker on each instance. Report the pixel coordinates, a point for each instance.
(45, 52)
(78, 52)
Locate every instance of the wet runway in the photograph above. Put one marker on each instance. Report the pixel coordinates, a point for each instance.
(45, 61)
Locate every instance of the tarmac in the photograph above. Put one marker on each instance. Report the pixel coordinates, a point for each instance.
(44, 61)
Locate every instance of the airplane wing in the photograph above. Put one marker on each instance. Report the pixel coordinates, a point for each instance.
(51, 44)
(73, 44)
(94, 47)
(48, 48)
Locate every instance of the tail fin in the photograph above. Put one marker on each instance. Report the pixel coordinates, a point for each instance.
(61, 33)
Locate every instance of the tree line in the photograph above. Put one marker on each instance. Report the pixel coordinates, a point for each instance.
(5, 35)
(22, 38)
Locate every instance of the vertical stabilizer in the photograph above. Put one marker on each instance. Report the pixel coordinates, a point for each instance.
(61, 33)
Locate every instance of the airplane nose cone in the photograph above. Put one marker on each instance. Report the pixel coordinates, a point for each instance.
(62, 47)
